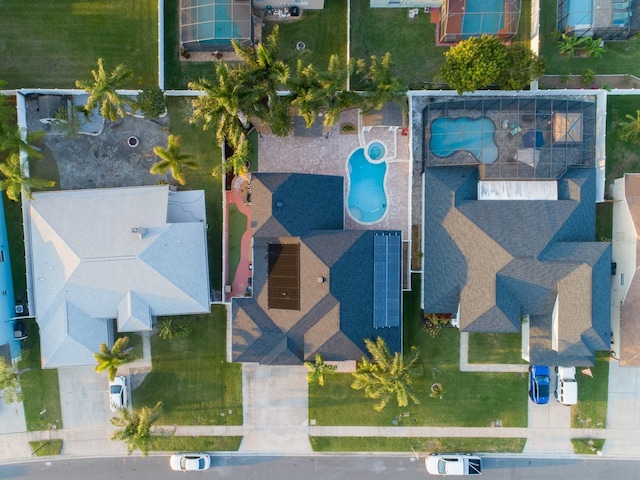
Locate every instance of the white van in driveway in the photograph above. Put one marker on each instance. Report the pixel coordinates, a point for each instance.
(566, 385)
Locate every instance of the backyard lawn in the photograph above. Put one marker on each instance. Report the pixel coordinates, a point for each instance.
(52, 43)
(375, 31)
(191, 377)
(470, 399)
(618, 58)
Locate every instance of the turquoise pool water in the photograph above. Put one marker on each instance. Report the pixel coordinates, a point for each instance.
(7, 299)
(483, 16)
(376, 150)
(367, 200)
(475, 136)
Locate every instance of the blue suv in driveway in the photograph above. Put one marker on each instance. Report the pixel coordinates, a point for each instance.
(539, 383)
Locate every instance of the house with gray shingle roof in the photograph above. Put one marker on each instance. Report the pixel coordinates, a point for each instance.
(112, 259)
(313, 282)
(502, 265)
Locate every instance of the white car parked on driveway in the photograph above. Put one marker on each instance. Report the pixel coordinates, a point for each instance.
(453, 464)
(118, 394)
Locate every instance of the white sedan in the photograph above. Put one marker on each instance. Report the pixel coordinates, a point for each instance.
(191, 461)
(453, 464)
(118, 394)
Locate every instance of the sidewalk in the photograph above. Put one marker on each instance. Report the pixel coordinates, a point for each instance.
(275, 421)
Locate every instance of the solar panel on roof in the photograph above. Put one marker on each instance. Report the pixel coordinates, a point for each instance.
(386, 280)
(283, 289)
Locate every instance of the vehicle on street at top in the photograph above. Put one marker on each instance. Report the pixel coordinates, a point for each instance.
(190, 461)
(539, 383)
(453, 464)
(118, 394)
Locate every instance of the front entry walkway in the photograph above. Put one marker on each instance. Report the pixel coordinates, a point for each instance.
(275, 406)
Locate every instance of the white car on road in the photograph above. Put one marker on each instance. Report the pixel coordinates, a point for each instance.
(453, 464)
(118, 394)
(190, 461)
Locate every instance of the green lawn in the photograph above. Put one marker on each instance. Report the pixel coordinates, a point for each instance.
(46, 448)
(52, 43)
(591, 410)
(202, 145)
(375, 31)
(470, 399)
(622, 157)
(179, 73)
(324, 33)
(416, 445)
(587, 446)
(237, 227)
(619, 58)
(39, 386)
(191, 377)
(503, 348)
(195, 444)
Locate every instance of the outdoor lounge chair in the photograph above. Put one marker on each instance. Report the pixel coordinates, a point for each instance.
(622, 5)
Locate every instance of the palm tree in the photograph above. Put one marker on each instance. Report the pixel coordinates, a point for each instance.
(379, 83)
(387, 376)
(16, 140)
(171, 159)
(236, 163)
(318, 369)
(14, 180)
(136, 427)
(102, 91)
(570, 44)
(9, 382)
(629, 130)
(111, 358)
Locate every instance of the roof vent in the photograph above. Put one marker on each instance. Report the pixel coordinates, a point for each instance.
(279, 204)
(321, 279)
(139, 231)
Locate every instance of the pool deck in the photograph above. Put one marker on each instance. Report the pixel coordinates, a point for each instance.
(326, 154)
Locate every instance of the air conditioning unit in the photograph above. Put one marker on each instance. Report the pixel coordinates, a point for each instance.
(19, 309)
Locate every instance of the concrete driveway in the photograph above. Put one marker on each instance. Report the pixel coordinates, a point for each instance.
(84, 397)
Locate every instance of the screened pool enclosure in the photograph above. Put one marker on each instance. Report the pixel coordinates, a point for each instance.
(462, 19)
(209, 25)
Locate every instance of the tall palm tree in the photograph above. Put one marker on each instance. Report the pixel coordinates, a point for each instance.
(172, 160)
(236, 163)
(221, 105)
(102, 91)
(15, 140)
(318, 369)
(111, 358)
(387, 376)
(14, 179)
(136, 427)
(629, 130)
(379, 84)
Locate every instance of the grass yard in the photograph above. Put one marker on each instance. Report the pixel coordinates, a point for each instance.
(587, 446)
(502, 348)
(470, 399)
(178, 73)
(375, 31)
(52, 43)
(39, 387)
(620, 57)
(324, 33)
(191, 377)
(195, 444)
(622, 157)
(591, 410)
(46, 448)
(202, 145)
(237, 227)
(416, 444)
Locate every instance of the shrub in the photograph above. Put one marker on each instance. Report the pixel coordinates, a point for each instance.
(151, 102)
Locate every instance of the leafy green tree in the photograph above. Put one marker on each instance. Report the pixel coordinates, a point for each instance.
(110, 359)
(387, 376)
(14, 179)
(523, 67)
(172, 160)
(474, 63)
(318, 369)
(629, 129)
(102, 91)
(569, 45)
(136, 428)
(10, 382)
(151, 102)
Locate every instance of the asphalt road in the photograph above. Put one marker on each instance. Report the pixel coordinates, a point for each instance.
(317, 468)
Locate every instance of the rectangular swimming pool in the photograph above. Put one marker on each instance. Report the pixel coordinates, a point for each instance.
(483, 16)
